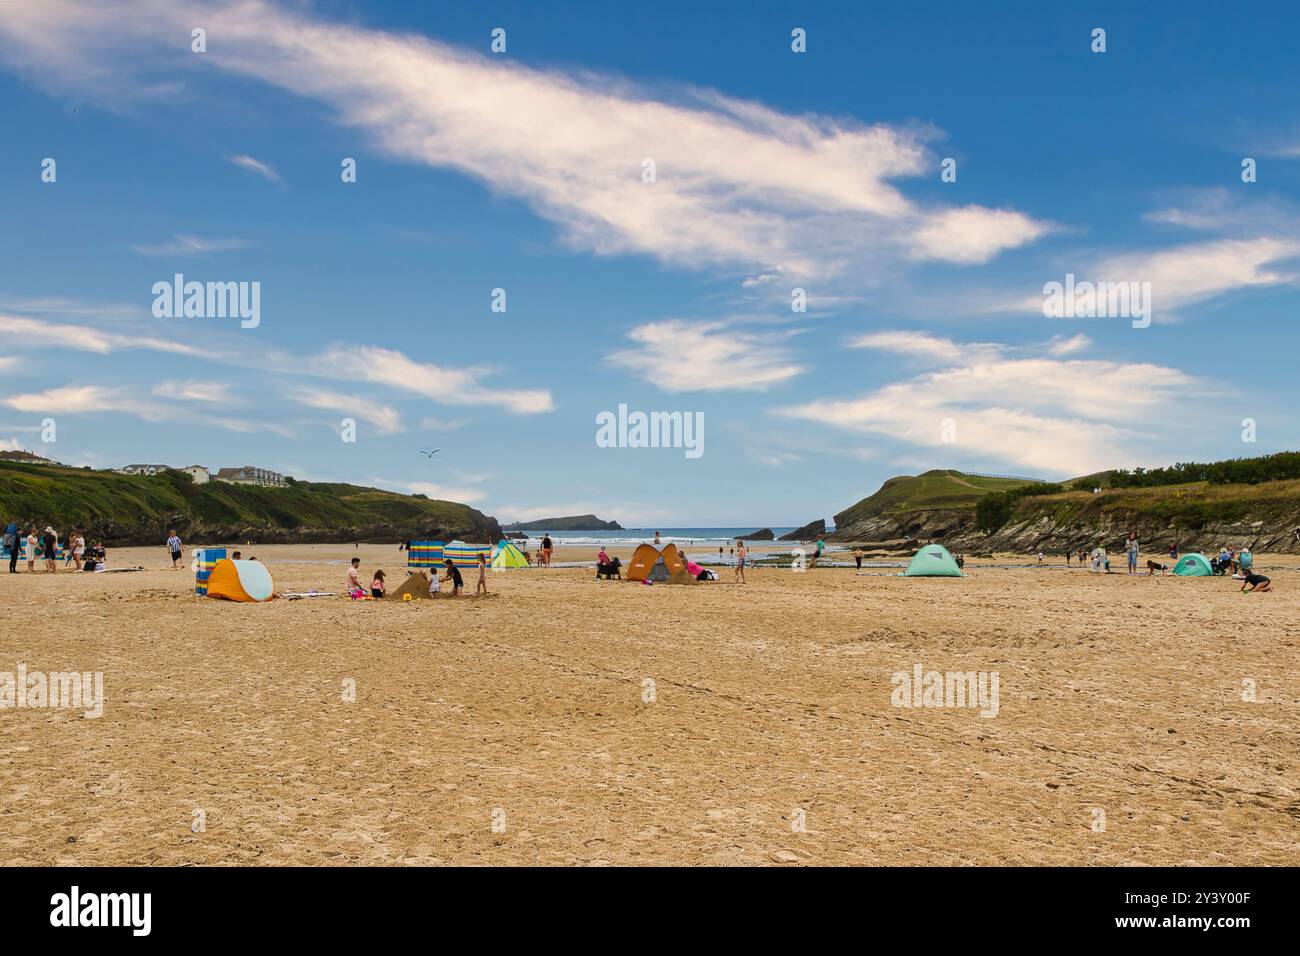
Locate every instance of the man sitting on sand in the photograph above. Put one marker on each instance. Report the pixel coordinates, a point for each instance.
(1256, 582)
(354, 577)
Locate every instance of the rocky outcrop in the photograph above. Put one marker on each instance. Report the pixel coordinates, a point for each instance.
(571, 523)
(809, 532)
(762, 534)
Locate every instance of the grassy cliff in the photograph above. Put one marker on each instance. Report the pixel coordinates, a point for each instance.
(136, 509)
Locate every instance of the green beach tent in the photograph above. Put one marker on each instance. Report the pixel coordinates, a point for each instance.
(933, 561)
(1193, 566)
(507, 555)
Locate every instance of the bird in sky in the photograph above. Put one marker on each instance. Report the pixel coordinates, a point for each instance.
(429, 454)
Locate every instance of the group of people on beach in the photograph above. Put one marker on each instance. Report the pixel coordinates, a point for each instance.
(379, 588)
(1237, 563)
(24, 539)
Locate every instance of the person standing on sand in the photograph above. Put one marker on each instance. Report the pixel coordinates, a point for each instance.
(1131, 549)
(174, 546)
(858, 555)
(657, 539)
(11, 542)
(741, 554)
(50, 548)
(30, 544)
(77, 545)
(481, 587)
(547, 547)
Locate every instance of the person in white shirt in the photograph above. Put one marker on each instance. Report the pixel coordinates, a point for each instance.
(174, 546)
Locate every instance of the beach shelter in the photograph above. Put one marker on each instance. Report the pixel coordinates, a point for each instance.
(506, 555)
(643, 559)
(416, 585)
(1193, 566)
(424, 554)
(933, 561)
(205, 559)
(675, 564)
(240, 581)
(466, 554)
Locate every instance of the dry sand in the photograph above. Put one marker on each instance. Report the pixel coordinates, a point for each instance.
(1117, 693)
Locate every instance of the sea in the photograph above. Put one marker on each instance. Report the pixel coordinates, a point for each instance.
(695, 540)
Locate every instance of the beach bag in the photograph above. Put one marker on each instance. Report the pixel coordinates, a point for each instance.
(10, 541)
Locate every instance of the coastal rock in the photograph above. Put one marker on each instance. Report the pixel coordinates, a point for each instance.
(809, 532)
(763, 534)
(571, 523)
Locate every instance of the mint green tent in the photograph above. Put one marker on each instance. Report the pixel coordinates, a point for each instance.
(1193, 566)
(933, 561)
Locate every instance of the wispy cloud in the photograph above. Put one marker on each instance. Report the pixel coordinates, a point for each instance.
(103, 400)
(1060, 417)
(257, 166)
(211, 392)
(385, 419)
(682, 356)
(448, 386)
(191, 246)
(737, 184)
(21, 332)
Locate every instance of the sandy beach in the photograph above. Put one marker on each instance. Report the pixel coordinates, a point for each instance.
(565, 721)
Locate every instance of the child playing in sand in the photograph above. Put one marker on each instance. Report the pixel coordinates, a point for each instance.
(377, 589)
(481, 587)
(453, 574)
(1256, 582)
(1153, 567)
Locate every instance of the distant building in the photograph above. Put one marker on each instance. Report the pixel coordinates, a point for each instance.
(249, 475)
(25, 458)
(143, 469)
(198, 473)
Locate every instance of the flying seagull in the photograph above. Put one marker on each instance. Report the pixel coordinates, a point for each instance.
(429, 454)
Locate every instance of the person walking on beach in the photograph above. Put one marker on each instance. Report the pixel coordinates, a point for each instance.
(481, 587)
(174, 546)
(1131, 548)
(657, 539)
(547, 547)
(11, 543)
(858, 555)
(741, 554)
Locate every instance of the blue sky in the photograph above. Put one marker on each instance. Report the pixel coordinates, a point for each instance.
(924, 343)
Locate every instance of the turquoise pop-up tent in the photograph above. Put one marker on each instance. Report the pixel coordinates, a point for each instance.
(1193, 566)
(933, 561)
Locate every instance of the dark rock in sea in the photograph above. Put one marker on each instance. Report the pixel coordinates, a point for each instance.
(809, 532)
(763, 534)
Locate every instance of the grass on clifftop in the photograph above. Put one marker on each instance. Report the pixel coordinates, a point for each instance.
(74, 497)
(931, 491)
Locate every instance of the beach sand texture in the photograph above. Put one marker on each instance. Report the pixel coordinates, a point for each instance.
(772, 705)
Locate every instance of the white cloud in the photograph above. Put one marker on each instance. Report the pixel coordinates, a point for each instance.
(464, 494)
(682, 356)
(101, 399)
(973, 234)
(738, 184)
(83, 338)
(11, 444)
(194, 391)
(256, 165)
(1060, 346)
(191, 246)
(448, 386)
(385, 419)
(1192, 273)
(1062, 417)
(917, 344)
